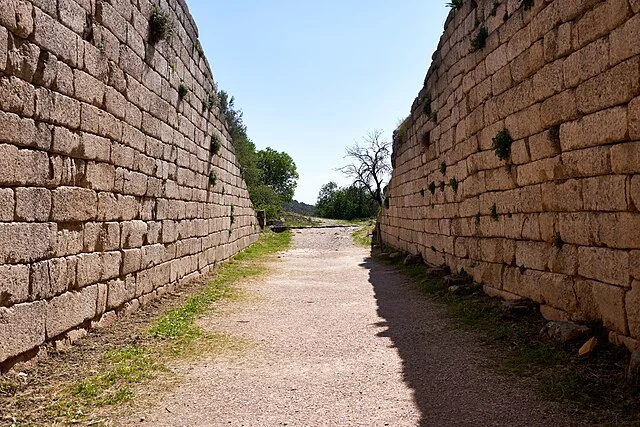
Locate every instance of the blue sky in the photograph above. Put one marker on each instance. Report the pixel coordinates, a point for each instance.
(315, 77)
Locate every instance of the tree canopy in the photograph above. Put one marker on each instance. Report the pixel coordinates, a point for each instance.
(278, 172)
(351, 202)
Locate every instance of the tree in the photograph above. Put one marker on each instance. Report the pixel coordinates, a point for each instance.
(278, 172)
(345, 203)
(371, 164)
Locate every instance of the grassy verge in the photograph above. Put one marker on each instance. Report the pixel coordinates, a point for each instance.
(292, 219)
(362, 236)
(594, 385)
(174, 334)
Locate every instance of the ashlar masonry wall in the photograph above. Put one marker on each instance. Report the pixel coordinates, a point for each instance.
(557, 221)
(107, 196)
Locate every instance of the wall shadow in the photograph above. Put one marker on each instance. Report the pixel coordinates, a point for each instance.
(447, 368)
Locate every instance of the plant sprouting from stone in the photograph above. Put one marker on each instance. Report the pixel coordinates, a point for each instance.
(161, 25)
(443, 168)
(231, 215)
(527, 4)
(442, 186)
(212, 100)
(501, 144)
(493, 213)
(212, 177)
(455, 4)
(453, 182)
(505, 17)
(480, 40)
(215, 144)
(183, 90)
(494, 9)
(434, 118)
(558, 243)
(478, 216)
(426, 109)
(432, 187)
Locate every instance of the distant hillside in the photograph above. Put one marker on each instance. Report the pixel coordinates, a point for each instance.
(300, 208)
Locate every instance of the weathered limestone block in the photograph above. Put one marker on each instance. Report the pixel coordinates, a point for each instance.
(26, 242)
(70, 309)
(625, 40)
(14, 284)
(605, 193)
(533, 255)
(559, 108)
(23, 328)
(33, 204)
(603, 127)
(72, 204)
(587, 162)
(586, 63)
(614, 87)
(565, 197)
(601, 20)
(603, 264)
(7, 204)
(620, 230)
(625, 158)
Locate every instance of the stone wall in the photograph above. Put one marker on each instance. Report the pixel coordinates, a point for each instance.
(557, 221)
(106, 199)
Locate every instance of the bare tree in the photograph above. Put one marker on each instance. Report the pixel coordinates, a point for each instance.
(371, 164)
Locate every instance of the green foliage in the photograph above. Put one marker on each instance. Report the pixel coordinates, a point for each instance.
(279, 172)
(478, 216)
(558, 243)
(215, 144)
(266, 199)
(527, 4)
(212, 177)
(443, 167)
(480, 40)
(400, 134)
(442, 186)
(161, 25)
(426, 109)
(502, 144)
(231, 215)
(347, 203)
(455, 4)
(211, 101)
(183, 90)
(453, 182)
(432, 187)
(494, 10)
(494, 213)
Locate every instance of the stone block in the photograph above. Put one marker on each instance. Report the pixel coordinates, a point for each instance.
(33, 204)
(601, 21)
(625, 40)
(562, 197)
(539, 171)
(616, 86)
(7, 204)
(17, 131)
(111, 263)
(620, 230)
(635, 191)
(578, 228)
(100, 176)
(89, 269)
(586, 63)
(625, 158)
(133, 234)
(65, 111)
(610, 303)
(131, 260)
(101, 236)
(14, 284)
(22, 58)
(548, 81)
(72, 204)
(19, 97)
(26, 242)
(4, 42)
(23, 329)
(524, 123)
(564, 261)
(528, 62)
(603, 127)
(587, 162)
(605, 265)
(120, 292)
(55, 37)
(605, 193)
(532, 255)
(70, 310)
(94, 147)
(559, 108)
(88, 88)
(72, 15)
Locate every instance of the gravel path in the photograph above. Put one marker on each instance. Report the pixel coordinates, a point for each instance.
(344, 341)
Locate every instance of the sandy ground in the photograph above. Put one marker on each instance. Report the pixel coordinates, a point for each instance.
(341, 340)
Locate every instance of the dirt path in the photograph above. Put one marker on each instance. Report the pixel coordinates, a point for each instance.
(343, 341)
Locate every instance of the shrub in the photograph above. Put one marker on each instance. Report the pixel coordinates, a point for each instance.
(215, 144)
(455, 4)
(527, 4)
(443, 168)
(480, 40)
(161, 26)
(502, 144)
(183, 90)
(432, 187)
(453, 182)
(442, 186)
(212, 177)
(558, 243)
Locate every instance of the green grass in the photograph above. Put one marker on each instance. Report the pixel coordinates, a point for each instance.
(595, 385)
(174, 335)
(362, 236)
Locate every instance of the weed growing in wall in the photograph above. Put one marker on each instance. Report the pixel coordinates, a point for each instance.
(493, 213)
(426, 109)
(212, 177)
(505, 17)
(558, 243)
(527, 4)
(480, 40)
(432, 187)
(478, 216)
(442, 186)
(453, 182)
(494, 9)
(183, 90)
(212, 100)
(215, 144)
(231, 216)
(434, 118)
(443, 168)
(455, 4)
(502, 144)
(161, 25)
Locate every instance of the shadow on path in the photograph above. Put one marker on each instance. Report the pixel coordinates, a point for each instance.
(447, 368)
